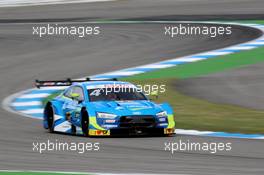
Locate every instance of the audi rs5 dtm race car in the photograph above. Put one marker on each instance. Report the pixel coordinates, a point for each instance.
(105, 108)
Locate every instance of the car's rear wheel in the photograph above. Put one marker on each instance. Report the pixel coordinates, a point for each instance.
(85, 122)
(73, 129)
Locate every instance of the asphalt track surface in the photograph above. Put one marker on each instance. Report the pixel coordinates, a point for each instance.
(24, 58)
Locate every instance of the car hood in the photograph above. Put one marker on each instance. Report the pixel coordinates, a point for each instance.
(139, 107)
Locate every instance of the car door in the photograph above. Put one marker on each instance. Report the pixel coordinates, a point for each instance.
(72, 107)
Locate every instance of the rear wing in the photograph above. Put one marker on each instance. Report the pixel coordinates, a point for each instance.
(67, 82)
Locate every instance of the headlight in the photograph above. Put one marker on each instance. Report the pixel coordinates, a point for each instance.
(162, 114)
(106, 115)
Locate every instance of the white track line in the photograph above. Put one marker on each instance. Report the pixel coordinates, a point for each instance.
(53, 88)
(192, 132)
(42, 95)
(257, 43)
(156, 66)
(241, 47)
(32, 111)
(186, 59)
(124, 73)
(30, 103)
(214, 53)
(17, 3)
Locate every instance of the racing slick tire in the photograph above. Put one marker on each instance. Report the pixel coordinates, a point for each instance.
(85, 122)
(49, 116)
(73, 129)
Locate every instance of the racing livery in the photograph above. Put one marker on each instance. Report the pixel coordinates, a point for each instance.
(105, 108)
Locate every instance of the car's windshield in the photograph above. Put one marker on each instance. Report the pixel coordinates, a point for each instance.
(110, 94)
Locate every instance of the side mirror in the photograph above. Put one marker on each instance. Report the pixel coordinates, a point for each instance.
(154, 94)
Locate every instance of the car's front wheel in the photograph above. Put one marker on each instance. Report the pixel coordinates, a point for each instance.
(49, 117)
(85, 122)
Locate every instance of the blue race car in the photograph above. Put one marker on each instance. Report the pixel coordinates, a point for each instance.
(105, 108)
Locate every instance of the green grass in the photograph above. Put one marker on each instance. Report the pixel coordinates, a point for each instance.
(212, 65)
